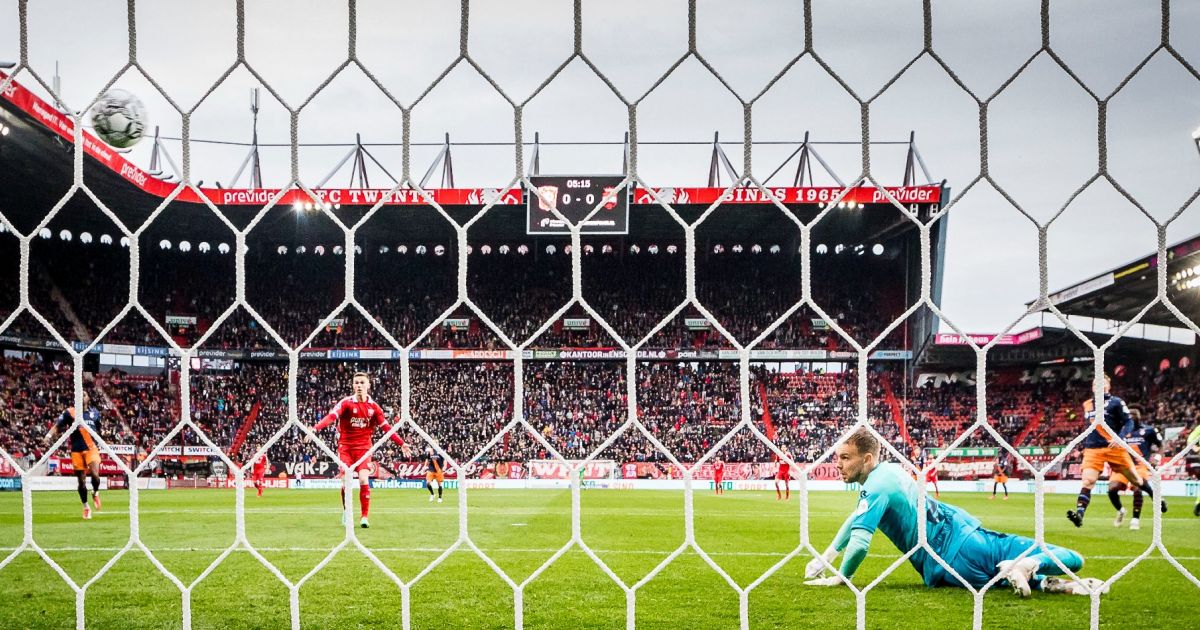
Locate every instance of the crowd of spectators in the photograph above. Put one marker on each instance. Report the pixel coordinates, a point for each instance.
(573, 406)
(634, 293)
(222, 403)
(34, 389)
(296, 293)
(141, 409)
(406, 293)
(810, 410)
(92, 280)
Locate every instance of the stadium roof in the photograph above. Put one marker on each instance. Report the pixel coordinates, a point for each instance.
(36, 171)
(1045, 344)
(1120, 293)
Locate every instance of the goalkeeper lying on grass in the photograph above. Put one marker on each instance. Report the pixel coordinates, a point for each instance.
(888, 502)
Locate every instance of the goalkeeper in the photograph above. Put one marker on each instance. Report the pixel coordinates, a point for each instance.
(888, 502)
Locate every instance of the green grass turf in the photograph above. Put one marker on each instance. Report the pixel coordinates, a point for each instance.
(746, 533)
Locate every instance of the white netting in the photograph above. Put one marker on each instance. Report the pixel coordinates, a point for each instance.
(519, 423)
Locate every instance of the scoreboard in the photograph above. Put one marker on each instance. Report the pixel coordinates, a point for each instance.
(575, 197)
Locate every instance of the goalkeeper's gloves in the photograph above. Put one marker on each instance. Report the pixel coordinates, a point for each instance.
(816, 567)
(833, 580)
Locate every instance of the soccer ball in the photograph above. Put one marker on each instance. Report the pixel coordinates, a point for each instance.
(119, 118)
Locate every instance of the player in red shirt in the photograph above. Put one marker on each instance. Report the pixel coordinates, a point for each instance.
(931, 477)
(718, 475)
(259, 472)
(783, 473)
(357, 416)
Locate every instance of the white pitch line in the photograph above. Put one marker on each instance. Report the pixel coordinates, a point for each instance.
(701, 516)
(448, 511)
(546, 550)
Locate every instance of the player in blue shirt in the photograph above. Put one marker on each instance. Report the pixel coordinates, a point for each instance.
(435, 471)
(1100, 447)
(1146, 442)
(888, 502)
(85, 455)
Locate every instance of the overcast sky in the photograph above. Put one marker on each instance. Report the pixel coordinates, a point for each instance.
(1042, 127)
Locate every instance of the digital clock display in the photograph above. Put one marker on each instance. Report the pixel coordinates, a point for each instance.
(575, 197)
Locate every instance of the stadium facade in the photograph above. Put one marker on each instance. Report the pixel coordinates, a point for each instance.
(866, 264)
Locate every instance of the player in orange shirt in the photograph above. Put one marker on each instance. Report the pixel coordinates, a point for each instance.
(85, 455)
(1101, 447)
(435, 472)
(1146, 441)
(1000, 477)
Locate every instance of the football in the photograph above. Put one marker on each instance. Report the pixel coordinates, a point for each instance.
(119, 118)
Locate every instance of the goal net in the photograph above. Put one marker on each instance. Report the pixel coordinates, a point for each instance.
(497, 373)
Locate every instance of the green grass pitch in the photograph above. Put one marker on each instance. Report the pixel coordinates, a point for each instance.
(746, 533)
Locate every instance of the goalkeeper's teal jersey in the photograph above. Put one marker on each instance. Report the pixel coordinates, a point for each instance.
(888, 502)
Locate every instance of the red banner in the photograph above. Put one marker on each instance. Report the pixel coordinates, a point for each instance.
(1016, 339)
(553, 469)
(357, 196)
(733, 471)
(860, 195)
(512, 197)
(417, 470)
(64, 126)
(967, 468)
(107, 467)
(268, 482)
